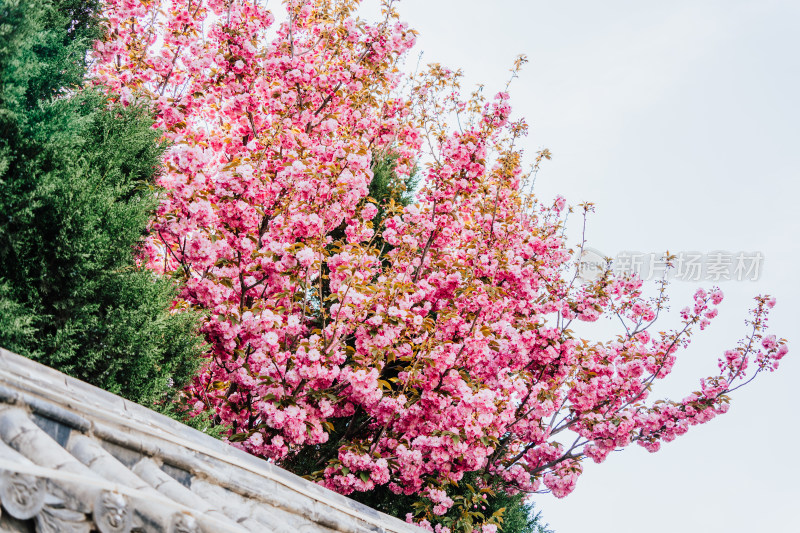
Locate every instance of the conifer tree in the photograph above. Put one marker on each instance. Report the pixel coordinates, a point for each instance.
(76, 196)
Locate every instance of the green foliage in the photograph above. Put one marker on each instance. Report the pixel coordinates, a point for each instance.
(43, 47)
(75, 198)
(518, 516)
(386, 187)
(472, 506)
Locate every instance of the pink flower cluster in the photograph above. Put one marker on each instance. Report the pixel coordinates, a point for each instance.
(439, 339)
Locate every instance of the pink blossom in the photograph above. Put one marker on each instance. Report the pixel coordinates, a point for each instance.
(446, 328)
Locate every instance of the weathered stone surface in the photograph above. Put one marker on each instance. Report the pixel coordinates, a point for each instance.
(74, 458)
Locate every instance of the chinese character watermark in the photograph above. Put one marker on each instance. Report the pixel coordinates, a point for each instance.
(683, 266)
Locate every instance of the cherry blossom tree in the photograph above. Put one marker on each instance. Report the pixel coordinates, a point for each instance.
(407, 350)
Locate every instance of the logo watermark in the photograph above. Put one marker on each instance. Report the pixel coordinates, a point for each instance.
(683, 266)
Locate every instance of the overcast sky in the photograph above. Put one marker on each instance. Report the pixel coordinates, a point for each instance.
(680, 121)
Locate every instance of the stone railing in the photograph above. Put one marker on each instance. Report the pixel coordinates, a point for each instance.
(74, 458)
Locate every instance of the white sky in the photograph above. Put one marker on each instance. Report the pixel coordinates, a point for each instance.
(680, 121)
